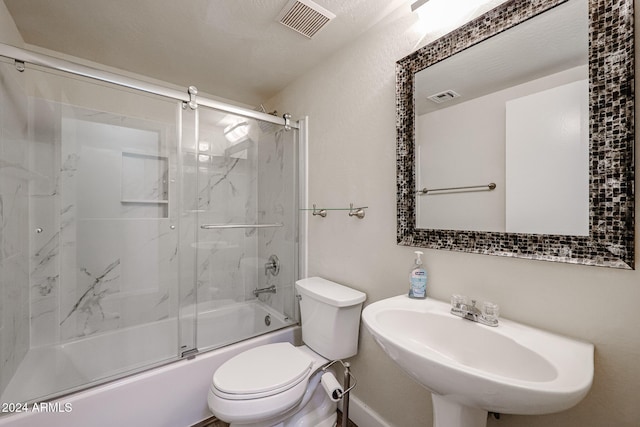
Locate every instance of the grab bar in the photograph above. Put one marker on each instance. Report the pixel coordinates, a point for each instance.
(490, 186)
(223, 226)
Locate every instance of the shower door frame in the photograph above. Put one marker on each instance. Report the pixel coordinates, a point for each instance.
(22, 57)
(189, 100)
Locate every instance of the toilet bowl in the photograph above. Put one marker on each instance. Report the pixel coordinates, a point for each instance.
(279, 384)
(262, 386)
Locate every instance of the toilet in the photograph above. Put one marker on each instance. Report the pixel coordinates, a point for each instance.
(279, 384)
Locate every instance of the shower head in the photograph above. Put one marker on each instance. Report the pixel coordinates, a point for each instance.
(266, 127)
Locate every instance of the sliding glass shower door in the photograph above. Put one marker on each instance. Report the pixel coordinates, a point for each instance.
(245, 211)
(135, 229)
(89, 264)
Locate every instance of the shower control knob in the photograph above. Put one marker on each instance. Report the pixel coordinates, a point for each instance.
(273, 266)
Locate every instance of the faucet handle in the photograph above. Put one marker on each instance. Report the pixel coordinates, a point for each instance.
(491, 311)
(458, 300)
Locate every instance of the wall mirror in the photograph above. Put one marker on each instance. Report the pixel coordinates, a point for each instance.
(515, 135)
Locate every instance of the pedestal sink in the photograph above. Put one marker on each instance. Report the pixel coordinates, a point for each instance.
(472, 369)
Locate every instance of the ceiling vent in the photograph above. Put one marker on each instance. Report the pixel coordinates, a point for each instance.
(445, 96)
(305, 17)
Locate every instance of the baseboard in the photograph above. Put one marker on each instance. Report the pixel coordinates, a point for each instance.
(363, 416)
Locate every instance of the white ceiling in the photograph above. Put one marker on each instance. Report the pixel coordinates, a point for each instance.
(234, 49)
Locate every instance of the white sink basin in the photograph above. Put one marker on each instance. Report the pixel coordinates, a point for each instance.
(472, 368)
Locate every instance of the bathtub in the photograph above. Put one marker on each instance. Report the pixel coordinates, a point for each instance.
(219, 325)
(171, 395)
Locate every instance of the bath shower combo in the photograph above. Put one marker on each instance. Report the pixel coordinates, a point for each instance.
(141, 226)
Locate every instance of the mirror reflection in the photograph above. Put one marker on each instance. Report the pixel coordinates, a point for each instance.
(502, 131)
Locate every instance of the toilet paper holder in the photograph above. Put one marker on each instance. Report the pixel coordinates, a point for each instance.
(348, 376)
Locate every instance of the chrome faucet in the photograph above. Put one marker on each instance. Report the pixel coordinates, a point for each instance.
(461, 308)
(270, 290)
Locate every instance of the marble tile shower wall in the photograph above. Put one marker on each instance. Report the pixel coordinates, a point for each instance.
(255, 185)
(14, 228)
(276, 190)
(44, 202)
(227, 258)
(106, 258)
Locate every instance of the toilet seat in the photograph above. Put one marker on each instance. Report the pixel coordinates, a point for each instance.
(261, 383)
(261, 372)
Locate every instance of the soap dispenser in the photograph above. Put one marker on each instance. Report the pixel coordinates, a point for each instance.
(418, 279)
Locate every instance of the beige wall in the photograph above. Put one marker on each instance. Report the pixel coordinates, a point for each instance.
(8, 32)
(350, 99)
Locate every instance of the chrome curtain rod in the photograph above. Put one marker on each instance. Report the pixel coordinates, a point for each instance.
(489, 187)
(26, 56)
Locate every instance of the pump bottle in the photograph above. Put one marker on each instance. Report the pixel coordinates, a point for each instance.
(418, 279)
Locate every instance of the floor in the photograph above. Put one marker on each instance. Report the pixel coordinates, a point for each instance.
(213, 422)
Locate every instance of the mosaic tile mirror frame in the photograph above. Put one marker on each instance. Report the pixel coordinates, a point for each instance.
(611, 142)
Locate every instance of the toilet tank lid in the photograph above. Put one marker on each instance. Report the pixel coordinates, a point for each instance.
(329, 292)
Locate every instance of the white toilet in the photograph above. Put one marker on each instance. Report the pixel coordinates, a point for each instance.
(279, 384)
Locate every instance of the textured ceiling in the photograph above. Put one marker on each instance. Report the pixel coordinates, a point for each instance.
(229, 48)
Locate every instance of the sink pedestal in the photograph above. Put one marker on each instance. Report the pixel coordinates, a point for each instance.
(447, 413)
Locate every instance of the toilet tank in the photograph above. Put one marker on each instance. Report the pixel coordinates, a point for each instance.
(330, 316)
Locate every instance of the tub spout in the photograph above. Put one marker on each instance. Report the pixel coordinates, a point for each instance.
(270, 290)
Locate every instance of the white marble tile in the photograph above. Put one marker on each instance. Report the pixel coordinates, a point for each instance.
(144, 177)
(276, 194)
(14, 340)
(14, 256)
(155, 180)
(85, 306)
(142, 267)
(14, 114)
(109, 256)
(45, 321)
(13, 209)
(148, 255)
(226, 194)
(133, 177)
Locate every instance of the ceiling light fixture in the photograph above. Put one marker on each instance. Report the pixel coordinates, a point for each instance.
(236, 132)
(437, 15)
